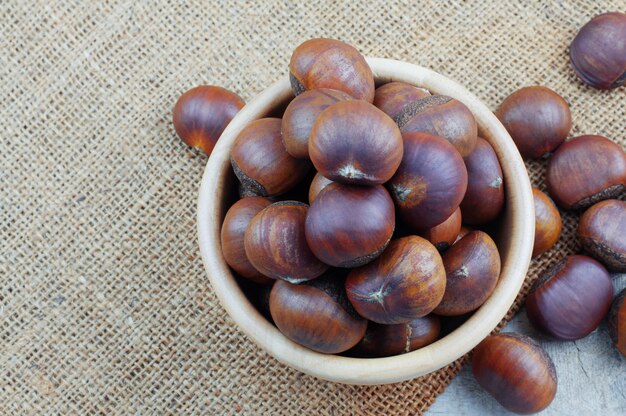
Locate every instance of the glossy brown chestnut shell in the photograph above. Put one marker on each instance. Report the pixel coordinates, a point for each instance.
(442, 116)
(537, 118)
(261, 162)
(445, 234)
(232, 236)
(617, 322)
(318, 183)
(348, 226)
(317, 314)
(330, 63)
(569, 300)
(392, 97)
(388, 340)
(586, 170)
(406, 282)
(300, 115)
(430, 182)
(202, 113)
(355, 143)
(276, 245)
(598, 52)
(484, 197)
(548, 223)
(472, 270)
(602, 232)
(516, 371)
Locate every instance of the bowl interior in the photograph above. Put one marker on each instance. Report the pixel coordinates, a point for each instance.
(218, 191)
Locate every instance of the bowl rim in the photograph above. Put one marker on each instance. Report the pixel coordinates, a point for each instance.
(519, 219)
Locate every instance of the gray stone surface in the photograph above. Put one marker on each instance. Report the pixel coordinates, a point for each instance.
(591, 373)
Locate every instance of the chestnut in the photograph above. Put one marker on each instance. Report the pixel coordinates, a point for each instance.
(445, 234)
(569, 300)
(261, 162)
(348, 226)
(617, 322)
(484, 198)
(516, 371)
(472, 267)
(355, 143)
(548, 223)
(276, 246)
(430, 182)
(387, 340)
(598, 52)
(537, 118)
(331, 63)
(318, 183)
(232, 237)
(300, 115)
(317, 314)
(442, 116)
(202, 113)
(586, 170)
(601, 231)
(406, 282)
(392, 97)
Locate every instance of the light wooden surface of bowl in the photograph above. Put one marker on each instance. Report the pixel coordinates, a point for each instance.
(515, 243)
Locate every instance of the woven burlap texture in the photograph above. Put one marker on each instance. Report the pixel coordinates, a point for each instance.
(105, 307)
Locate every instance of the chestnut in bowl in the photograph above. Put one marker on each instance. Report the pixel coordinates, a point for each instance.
(569, 300)
(348, 226)
(406, 282)
(537, 118)
(202, 113)
(331, 63)
(318, 183)
(445, 234)
(261, 162)
(354, 143)
(586, 170)
(548, 223)
(602, 231)
(393, 97)
(516, 371)
(431, 181)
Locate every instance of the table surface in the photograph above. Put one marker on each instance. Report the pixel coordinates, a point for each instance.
(591, 374)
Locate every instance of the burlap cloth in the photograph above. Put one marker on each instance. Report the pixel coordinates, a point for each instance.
(105, 307)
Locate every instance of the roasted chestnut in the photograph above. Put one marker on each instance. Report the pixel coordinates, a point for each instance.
(318, 183)
(202, 113)
(261, 162)
(300, 115)
(586, 170)
(348, 226)
(472, 270)
(569, 300)
(617, 322)
(232, 237)
(537, 118)
(516, 371)
(484, 198)
(353, 142)
(602, 231)
(598, 52)
(442, 116)
(276, 246)
(392, 97)
(406, 282)
(330, 63)
(317, 314)
(430, 182)
(547, 223)
(387, 340)
(445, 234)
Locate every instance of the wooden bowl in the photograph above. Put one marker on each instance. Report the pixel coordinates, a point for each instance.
(515, 244)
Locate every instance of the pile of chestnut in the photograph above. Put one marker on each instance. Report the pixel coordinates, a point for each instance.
(364, 218)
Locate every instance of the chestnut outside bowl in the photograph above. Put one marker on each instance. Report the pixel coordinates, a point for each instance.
(218, 190)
